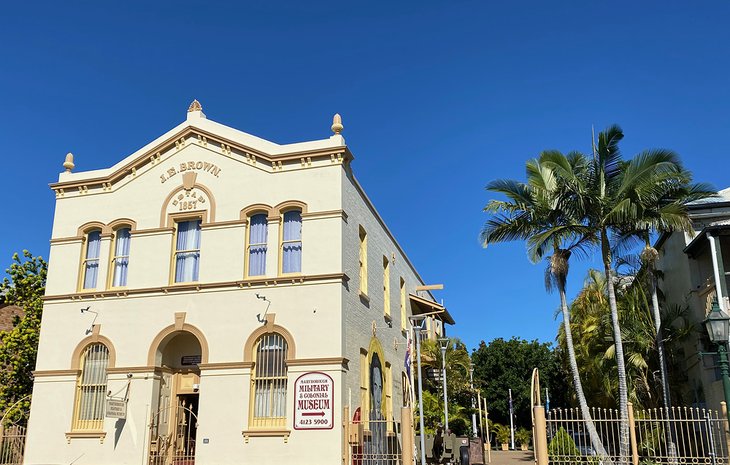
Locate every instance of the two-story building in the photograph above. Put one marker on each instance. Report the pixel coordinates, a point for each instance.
(696, 270)
(216, 298)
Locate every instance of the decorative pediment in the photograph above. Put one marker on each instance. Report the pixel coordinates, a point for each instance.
(215, 137)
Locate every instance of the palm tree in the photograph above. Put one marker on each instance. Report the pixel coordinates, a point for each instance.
(610, 193)
(595, 353)
(540, 213)
(664, 210)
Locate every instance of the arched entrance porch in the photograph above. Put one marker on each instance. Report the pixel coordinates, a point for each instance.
(175, 354)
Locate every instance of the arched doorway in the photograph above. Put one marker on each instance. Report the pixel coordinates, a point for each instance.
(176, 355)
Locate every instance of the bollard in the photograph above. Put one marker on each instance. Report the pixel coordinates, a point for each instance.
(632, 435)
(346, 436)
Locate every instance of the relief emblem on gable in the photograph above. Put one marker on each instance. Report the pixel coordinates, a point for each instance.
(190, 197)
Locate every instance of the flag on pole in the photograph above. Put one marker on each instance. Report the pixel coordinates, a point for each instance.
(407, 362)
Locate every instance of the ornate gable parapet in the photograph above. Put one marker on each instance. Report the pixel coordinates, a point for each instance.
(76, 184)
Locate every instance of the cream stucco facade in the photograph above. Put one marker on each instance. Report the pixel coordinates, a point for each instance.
(169, 338)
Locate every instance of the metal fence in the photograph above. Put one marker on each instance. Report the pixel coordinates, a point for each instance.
(373, 442)
(657, 436)
(12, 444)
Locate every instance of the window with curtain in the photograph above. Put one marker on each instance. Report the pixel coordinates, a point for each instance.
(187, 251)
(363, 261)
(269, 381)
(121, 257)
(291, 245)
(91, 259)
(257, 236)
(91, 388)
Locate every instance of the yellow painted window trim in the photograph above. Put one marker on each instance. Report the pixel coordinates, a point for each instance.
(282, 243)
(273, 423)
(403, 315)
(113, 258)
(92, 426)
(86, 434)
(363, 260)
(174, 252)
(82, 260)
(386, 287)
(248, 244)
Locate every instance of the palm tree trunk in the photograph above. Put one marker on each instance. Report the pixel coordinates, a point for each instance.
(650, 255)
(585, 411)
(660, 342)
(623, 390)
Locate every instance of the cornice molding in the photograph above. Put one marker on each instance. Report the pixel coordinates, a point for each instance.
(337, 155)
(197, 287)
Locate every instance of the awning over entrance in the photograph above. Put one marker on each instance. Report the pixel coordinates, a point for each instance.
(421, 306)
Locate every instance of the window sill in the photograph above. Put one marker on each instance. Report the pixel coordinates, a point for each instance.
(266, 433)
(90, 434)
(293, 274)
(364, 297)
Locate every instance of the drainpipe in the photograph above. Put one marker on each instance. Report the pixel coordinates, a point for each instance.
(718, 270)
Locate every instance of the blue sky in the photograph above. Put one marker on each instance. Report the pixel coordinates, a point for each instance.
(437, 99)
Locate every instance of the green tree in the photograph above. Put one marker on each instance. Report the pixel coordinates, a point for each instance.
(24, 287)
(507, 364)
(662, 210)
(608, 194)
(592, 332)
(548, 215)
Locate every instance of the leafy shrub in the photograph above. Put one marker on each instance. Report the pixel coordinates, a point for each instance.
(562, 445)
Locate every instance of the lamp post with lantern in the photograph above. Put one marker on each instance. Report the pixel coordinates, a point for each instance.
(717, 325)
(445, 343)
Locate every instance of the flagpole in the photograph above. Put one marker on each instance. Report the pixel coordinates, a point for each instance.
(511, 421)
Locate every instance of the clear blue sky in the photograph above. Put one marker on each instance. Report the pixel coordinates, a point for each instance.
(437, 98)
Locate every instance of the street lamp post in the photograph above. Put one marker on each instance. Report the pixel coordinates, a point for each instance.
(445, 345)
(717, 324)
(417, 330)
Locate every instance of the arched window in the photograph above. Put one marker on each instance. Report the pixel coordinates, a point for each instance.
(120, 260)
(291, 244)
(257, 236)
(90, 265)
(269, 382)
(91, 388)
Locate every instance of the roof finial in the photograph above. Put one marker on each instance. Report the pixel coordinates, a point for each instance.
(195, 106)
(337, 126)
(69, 163)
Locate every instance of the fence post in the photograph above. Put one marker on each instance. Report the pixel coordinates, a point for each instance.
(540, 440)
(346, 435)
(632, 435)
(406, 427)
(725, 429)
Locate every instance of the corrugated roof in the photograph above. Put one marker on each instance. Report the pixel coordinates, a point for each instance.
(723, 196)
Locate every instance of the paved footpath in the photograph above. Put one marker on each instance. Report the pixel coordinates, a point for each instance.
(512, 457)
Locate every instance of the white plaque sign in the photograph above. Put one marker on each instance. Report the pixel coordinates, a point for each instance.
(116, 408)
(314, 395)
